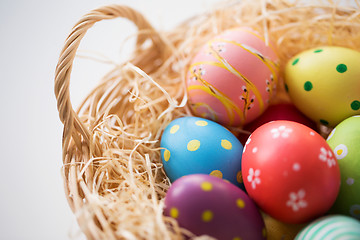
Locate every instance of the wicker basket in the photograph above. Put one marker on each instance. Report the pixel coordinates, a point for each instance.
(114, 181)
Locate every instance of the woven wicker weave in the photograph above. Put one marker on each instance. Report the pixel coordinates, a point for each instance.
(78, 145)
(113, 175)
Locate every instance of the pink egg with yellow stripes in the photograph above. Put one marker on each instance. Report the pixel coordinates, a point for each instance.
(233, 77)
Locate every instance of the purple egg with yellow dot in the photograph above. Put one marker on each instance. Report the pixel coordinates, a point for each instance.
(193, 145)
(207, 205)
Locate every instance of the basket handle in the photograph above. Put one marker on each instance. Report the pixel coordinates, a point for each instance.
(73, 127)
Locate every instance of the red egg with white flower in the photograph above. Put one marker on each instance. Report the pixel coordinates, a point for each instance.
(290, 171)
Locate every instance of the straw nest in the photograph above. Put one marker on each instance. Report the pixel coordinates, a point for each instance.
(113, 175)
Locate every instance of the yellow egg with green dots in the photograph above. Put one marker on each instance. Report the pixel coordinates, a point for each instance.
(324, 83)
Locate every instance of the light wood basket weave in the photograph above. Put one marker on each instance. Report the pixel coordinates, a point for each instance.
(113, 176)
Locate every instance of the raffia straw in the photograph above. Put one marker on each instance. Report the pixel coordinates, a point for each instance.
(113, 175)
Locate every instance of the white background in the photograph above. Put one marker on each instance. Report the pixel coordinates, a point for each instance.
(32, 200)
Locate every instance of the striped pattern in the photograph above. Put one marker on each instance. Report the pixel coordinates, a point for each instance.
(216, 103)
(229, 105)
(331, 228)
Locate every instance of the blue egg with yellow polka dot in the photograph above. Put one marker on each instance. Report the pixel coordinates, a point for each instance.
(191, 145)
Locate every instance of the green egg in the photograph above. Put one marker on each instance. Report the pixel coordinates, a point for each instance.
(331, 227)
(345, 142)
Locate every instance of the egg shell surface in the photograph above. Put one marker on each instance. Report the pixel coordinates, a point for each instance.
(277, 230)
(231, 79)
(290, 171)
(195, 145)
(345, 141)
(208, 205)
(324, 84)
(282, 111)
(331, 227)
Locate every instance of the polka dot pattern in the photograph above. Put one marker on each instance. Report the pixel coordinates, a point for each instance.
(174, 212)
(329, 101)
(341, 68)
(226, 144)
(166, 155)
(355, 105)
(193, 145)
(324, 122)
(196, 145)
(208, 205)
(295, 61)
(201, 123)
(207, 216)
(239, 177)
(240, 203)
(217, 173)
(174, 129)
(286, 87)
(206, 186)
(308, 86)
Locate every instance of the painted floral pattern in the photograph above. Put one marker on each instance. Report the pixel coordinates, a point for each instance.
(327, 156)
(219, 47)
(281, 131)
(296, 200)
(355, 211)
(253, 177)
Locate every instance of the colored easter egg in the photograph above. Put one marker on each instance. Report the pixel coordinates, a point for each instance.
(195, 145)
(277, 230)
(331, 227)
(282, 111)
(290, 171)
(324, 83)
(232, 78)
(345, 141)
(208, 205)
